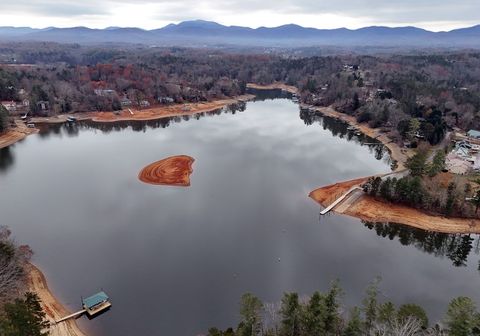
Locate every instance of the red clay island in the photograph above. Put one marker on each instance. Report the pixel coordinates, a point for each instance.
(173, 171)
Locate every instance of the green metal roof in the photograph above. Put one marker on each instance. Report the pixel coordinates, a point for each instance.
(94, 300)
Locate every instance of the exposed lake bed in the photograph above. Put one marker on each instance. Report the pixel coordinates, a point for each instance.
(180, 255)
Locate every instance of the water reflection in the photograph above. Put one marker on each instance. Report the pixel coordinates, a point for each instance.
(7, 158)
(456, 247)
(340, 129)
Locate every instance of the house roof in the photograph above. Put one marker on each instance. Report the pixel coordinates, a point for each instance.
(474, 133)
(94, 300)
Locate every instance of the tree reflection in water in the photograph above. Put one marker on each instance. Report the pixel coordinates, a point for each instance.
(456, 247)
(7, 159)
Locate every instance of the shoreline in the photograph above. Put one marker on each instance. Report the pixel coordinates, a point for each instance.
(397, 154)
(52, 307)
(14, 135)
(21, 131)
(370, 209)
(274, 86)
(367, 208)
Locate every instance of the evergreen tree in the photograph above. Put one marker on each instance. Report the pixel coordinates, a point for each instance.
(24, 317)
(354, 325)
(332, 319)
(290, 312)
(4, 119)
(462, 317)
(314, 315)
(250, 311)
(370, 308)
(417, 163)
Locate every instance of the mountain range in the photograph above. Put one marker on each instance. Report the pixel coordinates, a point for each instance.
(206, 33)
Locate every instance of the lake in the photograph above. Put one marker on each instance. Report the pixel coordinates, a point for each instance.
(175, 261)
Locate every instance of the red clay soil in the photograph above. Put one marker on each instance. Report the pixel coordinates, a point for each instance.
(132, 114)
(165, 111)
(173, 171)
(370, 209)
(53, 308)
(327, 195)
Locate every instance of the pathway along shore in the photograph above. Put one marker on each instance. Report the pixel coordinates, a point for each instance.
(21, 131)
(53, 309)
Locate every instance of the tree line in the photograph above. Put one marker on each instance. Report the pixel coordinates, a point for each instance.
(426, 188)
(20, 311)
(323, 314)
(412, 96)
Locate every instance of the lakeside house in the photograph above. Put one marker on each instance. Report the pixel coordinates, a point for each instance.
(165, 100)
(144, 103)
(43, 105)
(10, 105)
(474, 134)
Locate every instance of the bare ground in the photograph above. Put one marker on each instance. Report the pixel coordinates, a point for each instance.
(19, 132)
(52, 307)
(274, 86)
(370, 209)
(154, 113)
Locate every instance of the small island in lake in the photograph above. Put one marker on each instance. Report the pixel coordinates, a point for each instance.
(173, 171)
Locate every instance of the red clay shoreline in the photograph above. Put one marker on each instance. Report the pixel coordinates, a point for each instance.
(371, 209)
(155, 113)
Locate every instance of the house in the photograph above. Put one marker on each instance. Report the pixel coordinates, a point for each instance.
(474, 134)
(165, 100)
(43, 105)
(125, 101)
(11, 106)
(144, 103)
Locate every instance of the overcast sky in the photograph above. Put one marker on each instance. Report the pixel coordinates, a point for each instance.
(430, 14)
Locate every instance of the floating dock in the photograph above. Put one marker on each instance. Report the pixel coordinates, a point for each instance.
(96, 303)
(91, 305)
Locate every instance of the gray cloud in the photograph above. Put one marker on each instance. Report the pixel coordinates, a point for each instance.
(54, 8)
(392, 12)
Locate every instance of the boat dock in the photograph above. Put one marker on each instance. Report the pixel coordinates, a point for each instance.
(91, 305)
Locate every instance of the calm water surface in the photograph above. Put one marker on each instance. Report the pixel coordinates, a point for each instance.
(175, 261)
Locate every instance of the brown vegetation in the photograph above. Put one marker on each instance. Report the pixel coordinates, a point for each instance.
(174, 171)
(16, 134)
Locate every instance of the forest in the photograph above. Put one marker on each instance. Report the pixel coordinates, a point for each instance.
(324, 314)
(428, 188)
(20, 311)
(411, 96)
